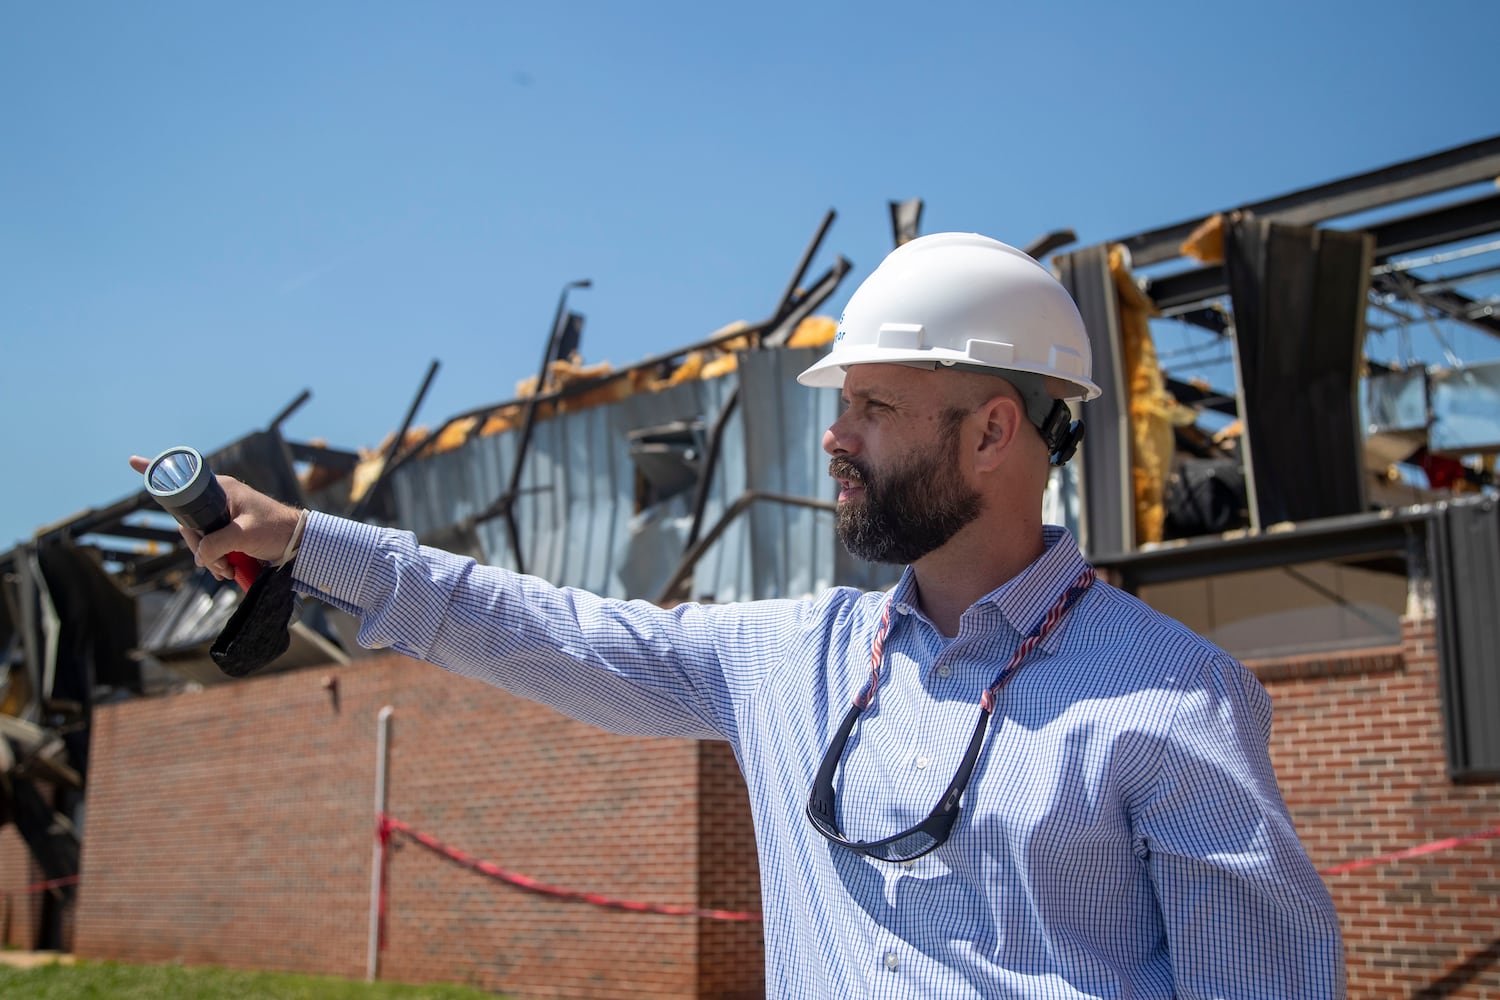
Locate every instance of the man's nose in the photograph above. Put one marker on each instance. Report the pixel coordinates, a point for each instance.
(838, 439)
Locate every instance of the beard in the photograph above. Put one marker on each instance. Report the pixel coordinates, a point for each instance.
(907, 511)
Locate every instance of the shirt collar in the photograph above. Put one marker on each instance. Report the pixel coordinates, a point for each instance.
(1025, 598)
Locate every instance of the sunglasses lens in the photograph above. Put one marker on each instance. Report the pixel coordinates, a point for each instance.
(912, 845)
(904, 847)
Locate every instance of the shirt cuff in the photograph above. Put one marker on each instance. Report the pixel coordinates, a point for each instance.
(335, 557)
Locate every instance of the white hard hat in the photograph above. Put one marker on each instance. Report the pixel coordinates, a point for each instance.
(963, 300)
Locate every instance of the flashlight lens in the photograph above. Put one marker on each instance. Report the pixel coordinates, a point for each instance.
(172, 472)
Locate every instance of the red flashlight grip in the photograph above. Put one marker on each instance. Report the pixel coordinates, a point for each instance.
(245, 569)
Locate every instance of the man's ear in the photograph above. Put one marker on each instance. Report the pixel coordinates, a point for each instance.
(1004, 419)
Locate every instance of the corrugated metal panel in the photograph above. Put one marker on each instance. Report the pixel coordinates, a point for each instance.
(192, 616)
(1109, 525)
(1464, 549)
(576, 494)
(1299, 304)
(791, 547)
(723, 573)
(794, 550)
(433, 493)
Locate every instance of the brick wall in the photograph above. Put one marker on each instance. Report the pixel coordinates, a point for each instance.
(20, 911)
(1358, 748)
(234, 826)
(29, 918)
(732, 962)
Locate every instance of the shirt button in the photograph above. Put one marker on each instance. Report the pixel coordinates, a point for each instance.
(909, 863)
(922, 763)
(945, 671)
(892, 962)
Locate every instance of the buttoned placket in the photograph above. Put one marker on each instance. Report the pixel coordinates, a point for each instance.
(888, 951)
(920, 757)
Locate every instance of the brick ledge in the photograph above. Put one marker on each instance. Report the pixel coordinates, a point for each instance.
(1371, 660)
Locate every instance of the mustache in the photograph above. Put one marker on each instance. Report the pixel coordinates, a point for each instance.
(845, 468)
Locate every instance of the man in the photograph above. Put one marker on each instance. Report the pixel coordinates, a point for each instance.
(1001, 779)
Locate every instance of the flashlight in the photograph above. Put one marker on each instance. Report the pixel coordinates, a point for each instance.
(180, 480)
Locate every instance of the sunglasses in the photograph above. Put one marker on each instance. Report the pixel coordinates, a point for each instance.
(910, 844)
(932, 832)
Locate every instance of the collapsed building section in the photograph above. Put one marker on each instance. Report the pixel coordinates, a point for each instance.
(1345, 487)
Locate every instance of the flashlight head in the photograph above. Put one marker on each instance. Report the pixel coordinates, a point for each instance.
(180, 480)
(174, 477)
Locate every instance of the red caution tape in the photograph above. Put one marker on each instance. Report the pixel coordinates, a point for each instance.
(1412, 852)
(389, 825)
(50, 884)
(56, 883)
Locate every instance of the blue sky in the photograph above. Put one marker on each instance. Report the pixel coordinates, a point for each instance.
(207, 208)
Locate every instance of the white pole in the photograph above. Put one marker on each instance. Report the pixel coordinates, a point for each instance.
(377, 867)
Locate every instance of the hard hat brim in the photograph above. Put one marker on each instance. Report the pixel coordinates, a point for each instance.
(828, 372)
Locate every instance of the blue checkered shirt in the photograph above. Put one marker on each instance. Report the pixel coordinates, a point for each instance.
(1122, 836)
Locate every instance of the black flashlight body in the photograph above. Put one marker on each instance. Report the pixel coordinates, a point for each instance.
(182, 483)
(208, 512)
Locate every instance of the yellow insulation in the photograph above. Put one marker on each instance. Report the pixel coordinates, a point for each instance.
(815, 331)
(1206, 243)
(1153, 410)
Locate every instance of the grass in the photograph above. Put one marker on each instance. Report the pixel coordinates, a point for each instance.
(113, 981)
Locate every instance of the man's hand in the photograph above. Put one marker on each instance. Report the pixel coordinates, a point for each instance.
(259, 527)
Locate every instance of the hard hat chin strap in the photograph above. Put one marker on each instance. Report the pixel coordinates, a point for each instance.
(1061, 433)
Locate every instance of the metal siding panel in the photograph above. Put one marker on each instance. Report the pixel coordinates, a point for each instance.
(422, 491)
(591, 501)
(1467, 566)
(1466, 408)
(1105, 481)
(542, 485)
(1299, 304)
(722, 574)
(766, 458)
(607, 505)
(410, 496)
(826, 546)
(492, 458)
(688, 401)
(619, 420)
(649, 409)
(791, 545)
(790, 459)
(532, 478)
(737, 573)
(576, 514)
